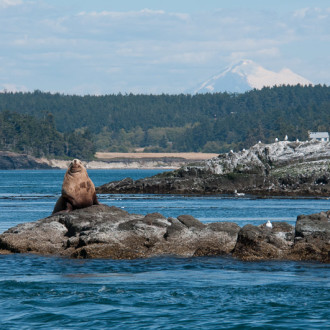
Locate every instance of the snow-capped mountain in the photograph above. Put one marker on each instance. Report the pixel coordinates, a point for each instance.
(246, 75)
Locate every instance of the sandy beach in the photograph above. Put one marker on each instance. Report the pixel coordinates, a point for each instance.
(149, 155)
(140, 160)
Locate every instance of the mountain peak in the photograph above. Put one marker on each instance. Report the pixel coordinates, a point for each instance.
(245, 75)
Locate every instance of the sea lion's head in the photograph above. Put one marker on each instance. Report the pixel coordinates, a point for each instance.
(76, 166)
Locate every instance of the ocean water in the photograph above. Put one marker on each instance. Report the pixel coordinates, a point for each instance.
(158, 293)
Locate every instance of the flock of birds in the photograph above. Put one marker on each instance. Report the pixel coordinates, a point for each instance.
(286, 138)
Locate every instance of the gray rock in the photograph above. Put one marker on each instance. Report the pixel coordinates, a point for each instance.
(190, 222)
(224, 233)
(101, 231)
(310, 240)
(263, 243)
(312, 237)
(314, 226)
(121, 185)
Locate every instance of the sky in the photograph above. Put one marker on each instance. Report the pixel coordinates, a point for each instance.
(151, 47)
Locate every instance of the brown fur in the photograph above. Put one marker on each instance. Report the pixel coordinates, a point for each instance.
(78, 190)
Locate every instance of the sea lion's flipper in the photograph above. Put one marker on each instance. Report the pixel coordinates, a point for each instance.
(59, 205)
(62, 205)
(95, 200)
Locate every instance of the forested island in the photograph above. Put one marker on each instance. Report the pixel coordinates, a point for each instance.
(56, 125)
(38, 137)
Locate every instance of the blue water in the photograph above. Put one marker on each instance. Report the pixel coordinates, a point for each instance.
(158, 293)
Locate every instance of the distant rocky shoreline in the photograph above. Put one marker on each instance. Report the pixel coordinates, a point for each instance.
(15, 161)
(101, 231)
(279, 169)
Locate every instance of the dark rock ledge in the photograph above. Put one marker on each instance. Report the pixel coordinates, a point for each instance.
(279, 169)
(101, 231)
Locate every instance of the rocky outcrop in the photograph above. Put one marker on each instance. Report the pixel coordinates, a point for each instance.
(282, 168)
(309, 240)
(15, 161)
(312, 237)
(101, 231)
(263, 243)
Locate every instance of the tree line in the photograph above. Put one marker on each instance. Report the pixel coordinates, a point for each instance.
(214, 122)
(38, 137)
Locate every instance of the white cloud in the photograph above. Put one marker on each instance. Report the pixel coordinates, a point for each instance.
(9, 3)
(192, 57)
(13, 88)
(301, 13)
(272, 52)
(118, 14)
(133, 14)
(148, 50)
(310, 13)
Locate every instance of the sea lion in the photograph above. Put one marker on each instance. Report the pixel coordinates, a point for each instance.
(78, 190)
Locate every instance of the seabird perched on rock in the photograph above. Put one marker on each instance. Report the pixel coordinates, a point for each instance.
(276, 139)
(286, 138)
(269, 224)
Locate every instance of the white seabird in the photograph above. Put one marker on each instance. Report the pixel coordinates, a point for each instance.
(269, 224)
